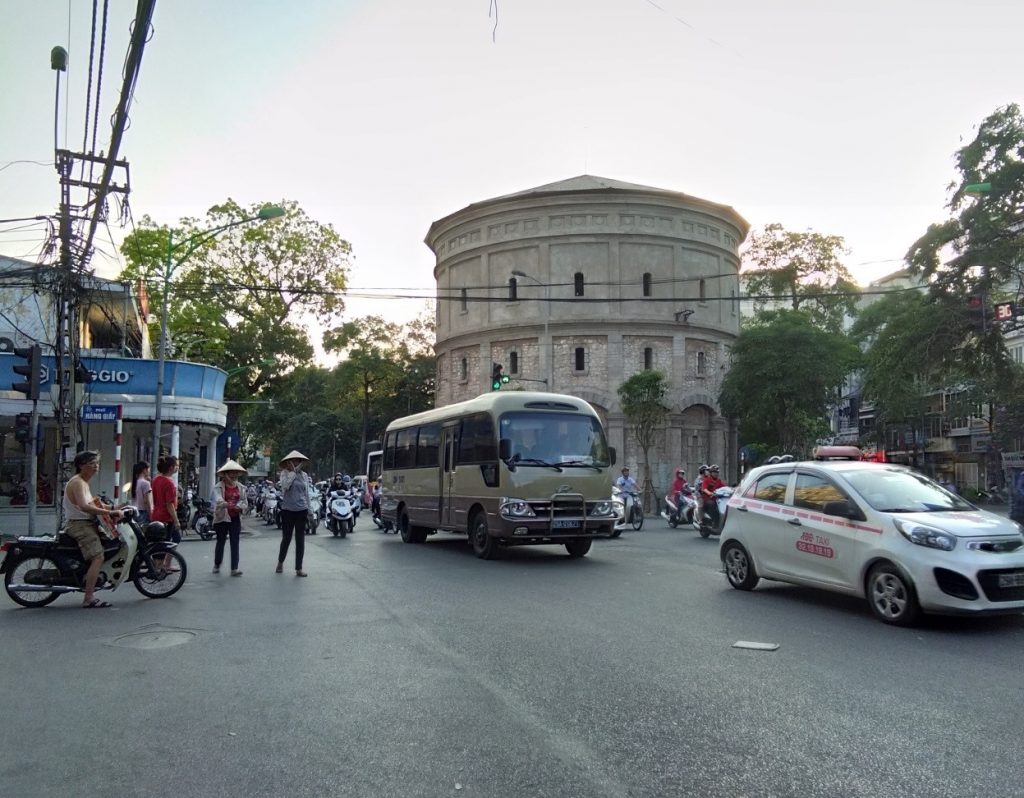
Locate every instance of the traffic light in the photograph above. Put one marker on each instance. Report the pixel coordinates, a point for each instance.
(30, 369)
(976, 312)
(497, 378)
(23, 428)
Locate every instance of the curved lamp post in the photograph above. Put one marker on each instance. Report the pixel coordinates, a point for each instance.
(171, 263)
(547, 318)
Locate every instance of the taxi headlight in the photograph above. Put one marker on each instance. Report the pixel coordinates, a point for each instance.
(603, 508)
(924, 535)
(516, 508)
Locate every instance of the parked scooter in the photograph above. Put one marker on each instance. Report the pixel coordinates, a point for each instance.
(39, 569)
(340, 519)
(202, 518)
(714, 514)
(683, 512)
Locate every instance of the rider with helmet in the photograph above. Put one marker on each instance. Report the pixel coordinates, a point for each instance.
(708, 486)
(678, 484)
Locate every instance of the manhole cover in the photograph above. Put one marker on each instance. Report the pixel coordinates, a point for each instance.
(164, 638)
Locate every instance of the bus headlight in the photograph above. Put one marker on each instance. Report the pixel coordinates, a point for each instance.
(603, 508)
(516, 508)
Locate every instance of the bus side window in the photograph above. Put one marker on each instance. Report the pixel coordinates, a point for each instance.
(389, 450)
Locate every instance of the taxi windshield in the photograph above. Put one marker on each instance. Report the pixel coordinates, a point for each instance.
(893, 490)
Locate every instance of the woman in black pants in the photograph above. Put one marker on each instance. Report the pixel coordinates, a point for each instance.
(294, 507)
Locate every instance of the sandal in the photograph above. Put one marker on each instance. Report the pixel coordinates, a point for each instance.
(96, 604)
(279, 569)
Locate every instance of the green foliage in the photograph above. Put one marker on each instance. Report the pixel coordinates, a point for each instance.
(985, 235)
(805, 269)
(239, 290)
(642, 398)
(785, 373)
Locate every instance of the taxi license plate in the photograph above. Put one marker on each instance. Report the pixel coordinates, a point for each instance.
(1012, 580)
(565, 523)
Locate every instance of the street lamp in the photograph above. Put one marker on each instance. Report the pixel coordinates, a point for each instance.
(190, 245)
(547, 318)
(334, 443)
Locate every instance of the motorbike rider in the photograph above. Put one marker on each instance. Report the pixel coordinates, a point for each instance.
(83, 513)
(678, 485)
(708, 486)
(375, 501)
(628, 486)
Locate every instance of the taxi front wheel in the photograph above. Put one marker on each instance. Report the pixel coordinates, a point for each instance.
(739, 569)
(892, 596)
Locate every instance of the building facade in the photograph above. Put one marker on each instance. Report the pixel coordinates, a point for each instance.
(575, 286)
(115, 353)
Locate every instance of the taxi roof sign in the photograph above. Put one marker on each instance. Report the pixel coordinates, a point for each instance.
(837, 453)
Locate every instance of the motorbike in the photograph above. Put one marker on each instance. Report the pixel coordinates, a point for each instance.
(685, 512)
(634, 512)
(269, 511)
(313, 514)
(377, 517)
(340, 519)
(711, 523)
(39, 569)
(202, 518)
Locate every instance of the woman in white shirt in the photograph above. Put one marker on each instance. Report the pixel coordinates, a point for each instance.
(142, 491)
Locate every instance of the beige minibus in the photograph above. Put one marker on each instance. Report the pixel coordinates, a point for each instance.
(509, 468)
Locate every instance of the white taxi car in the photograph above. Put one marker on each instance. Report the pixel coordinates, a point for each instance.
(879, 531)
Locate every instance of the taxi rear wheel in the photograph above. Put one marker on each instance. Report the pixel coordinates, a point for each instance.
(739, 568)
(891, 596)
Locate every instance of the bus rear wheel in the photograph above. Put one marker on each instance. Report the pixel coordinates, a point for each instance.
(484, 546)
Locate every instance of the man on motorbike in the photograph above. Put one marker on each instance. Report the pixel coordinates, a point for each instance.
(628, 486)
(708, 486)
(83, 513)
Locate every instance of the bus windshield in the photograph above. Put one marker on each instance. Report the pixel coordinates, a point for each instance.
(565, 439)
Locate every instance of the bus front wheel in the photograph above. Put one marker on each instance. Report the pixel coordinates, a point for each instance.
(578, 548)
(484, 546)
(410, 533)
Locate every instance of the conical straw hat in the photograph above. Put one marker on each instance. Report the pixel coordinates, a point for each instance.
(232, 466)
(294, 454)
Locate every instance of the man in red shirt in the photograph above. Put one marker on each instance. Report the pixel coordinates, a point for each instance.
(708, 486)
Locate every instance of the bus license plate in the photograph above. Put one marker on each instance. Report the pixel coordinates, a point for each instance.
(565, 523)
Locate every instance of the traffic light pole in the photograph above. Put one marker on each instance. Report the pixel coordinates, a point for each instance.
(33, 469)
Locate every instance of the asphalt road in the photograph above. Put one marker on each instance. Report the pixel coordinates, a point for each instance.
(405, 670)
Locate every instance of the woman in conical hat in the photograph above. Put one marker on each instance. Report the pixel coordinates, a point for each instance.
(294, 508)
(229, 503)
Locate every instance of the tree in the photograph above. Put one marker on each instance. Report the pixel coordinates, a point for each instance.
(978, 250)
(805, 269)
(785, 373)
(642, 397)
(240, 296)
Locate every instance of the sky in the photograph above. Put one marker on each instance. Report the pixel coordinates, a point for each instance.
(381, 116)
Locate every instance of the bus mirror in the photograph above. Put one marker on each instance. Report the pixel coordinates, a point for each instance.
(611, 454)
(504, 449)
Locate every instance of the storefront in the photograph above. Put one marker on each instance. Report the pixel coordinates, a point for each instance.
(193, 413)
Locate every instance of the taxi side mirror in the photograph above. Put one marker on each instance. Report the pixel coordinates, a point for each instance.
(842, 509)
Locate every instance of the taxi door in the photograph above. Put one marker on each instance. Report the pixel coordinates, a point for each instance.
(822, 548)
(757, 517)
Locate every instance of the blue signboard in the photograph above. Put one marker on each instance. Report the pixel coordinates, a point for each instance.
(99, 413)
(114, 375)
